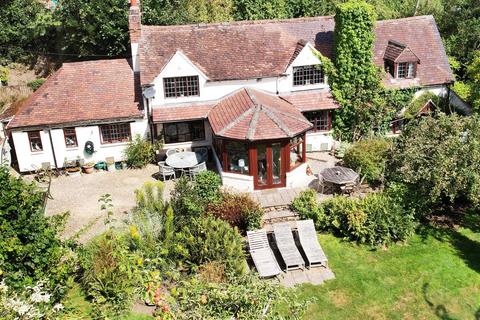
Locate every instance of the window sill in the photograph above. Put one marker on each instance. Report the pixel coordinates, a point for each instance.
(72, 148)
(37, 152)
(115, 144)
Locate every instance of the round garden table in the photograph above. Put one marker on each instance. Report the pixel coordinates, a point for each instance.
(182, 160)
(339, 175)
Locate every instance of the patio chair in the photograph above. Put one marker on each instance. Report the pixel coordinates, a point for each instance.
(262, 255)
(194, 171)
(310, 245)
(171, 151)
(166, 171)
(286, 245)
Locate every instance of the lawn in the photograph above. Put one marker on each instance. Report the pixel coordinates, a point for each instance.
(436, 275)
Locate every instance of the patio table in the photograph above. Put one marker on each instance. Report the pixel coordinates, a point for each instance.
(182, 160)
(339, 175)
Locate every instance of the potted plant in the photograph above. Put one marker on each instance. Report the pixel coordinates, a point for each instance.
(73, 171)
(110, 164)
(88, 168)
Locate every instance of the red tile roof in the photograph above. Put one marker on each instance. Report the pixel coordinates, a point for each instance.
(249, 114)
(253, 49)
(83, 92)
(312, 100)
(181, 113)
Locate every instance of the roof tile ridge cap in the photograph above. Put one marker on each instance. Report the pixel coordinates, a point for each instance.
(278, 122)
(235, 121)
(252, 126)
(289, 115)
(422, 17)
(34, 95)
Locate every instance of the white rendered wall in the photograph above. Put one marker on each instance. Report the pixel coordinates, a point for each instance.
(29, 161)
(438, 90)
(179, 65)
(316, 139)
(298, 178)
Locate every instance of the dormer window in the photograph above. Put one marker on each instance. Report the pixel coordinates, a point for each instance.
(308, 75)
(400, 61)
(178, 87)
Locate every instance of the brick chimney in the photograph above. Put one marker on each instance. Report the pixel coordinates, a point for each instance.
(135, 30)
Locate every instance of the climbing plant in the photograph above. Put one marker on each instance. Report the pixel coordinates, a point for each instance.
(355, 81)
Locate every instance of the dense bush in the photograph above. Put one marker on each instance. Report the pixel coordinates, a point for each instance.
(238, 209)
(185, 201)
(368, 157)
(438, 160)
(377, 219)
(110, 275)
(139, 152)
(207, 186)
(240, 297)
(210, 239)
(30, 246)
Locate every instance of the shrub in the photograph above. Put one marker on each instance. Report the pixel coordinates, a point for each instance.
(110, 274)
(207, 186)
(368, 157)
(35, 84)
(239, 210)
(4, 74)
(210, 239)
(377, 219)
(306, 205)
(139, 152)
(185, 201)
(30, 246)
(239, 297)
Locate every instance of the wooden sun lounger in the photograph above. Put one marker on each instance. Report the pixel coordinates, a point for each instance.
(286, 245)
(262, 255)
(309, 242)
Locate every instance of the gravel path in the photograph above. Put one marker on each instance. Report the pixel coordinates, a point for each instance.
(79, 195)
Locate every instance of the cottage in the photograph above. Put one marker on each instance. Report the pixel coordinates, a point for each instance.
(254, 92)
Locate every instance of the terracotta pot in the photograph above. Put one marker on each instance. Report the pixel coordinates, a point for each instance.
(75, 171)
(87, 169)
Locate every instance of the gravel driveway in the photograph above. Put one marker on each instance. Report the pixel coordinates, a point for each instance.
(80, 195)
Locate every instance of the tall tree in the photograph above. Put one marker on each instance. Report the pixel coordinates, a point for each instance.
(355, 81)
(93, 28)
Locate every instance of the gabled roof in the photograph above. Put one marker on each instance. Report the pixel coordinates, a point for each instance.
(83, 92)
(256, 49)
(399, 52)
(253, 115)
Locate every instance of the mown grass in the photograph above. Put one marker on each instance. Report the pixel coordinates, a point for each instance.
(435, 275)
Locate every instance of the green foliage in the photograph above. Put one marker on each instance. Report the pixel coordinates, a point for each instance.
(240, 297)
(30, 247)
(368, 157)
(261, 9)
(377, 219)
(35, 84)
(168, 12)
(210, 239)
(140, 152)
(306, 205)
(438, 160)
(418, 103)
(355, 80)
(24, 28)
(93, 27)
(238, 209)
(207, 186)
(150, 197)
(4, 74)
(185, 201)
(110, 274)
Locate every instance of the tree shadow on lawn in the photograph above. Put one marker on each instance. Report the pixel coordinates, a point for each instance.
(467, 249)
(440, 310)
